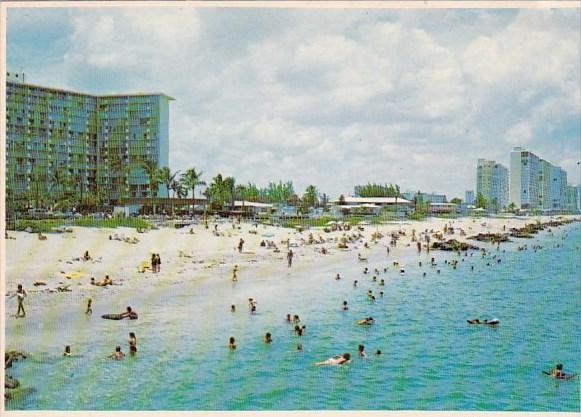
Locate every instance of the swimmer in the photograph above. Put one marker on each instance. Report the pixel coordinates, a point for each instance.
(345, 307)
(231, 343)
(369, 294)
(354, 283)
(67, 351)
(336, 360)
(367, 321)
(267, 338)
(361, 351)
(558, 372)
(129, 313)
(365, 271)
(288, 318)
(117, 354)
(132, 344)
(296, 318)
(233, 308)
(378, 352)
(299, 346)
(381, 294)
(382, 282)
(374, 278)
(338, 277)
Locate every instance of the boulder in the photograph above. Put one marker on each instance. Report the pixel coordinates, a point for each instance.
(10, 383)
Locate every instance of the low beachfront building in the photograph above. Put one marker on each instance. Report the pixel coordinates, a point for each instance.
(369, 205)
(252, 207)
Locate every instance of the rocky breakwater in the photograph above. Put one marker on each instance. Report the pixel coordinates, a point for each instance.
(453, 245)
(491, 237)
(11, 385)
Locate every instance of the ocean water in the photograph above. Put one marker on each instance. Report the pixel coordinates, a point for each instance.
(431, 358)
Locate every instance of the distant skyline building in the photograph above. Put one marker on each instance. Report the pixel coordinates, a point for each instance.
(469, 197)
(492, 182)
(58, 139)
(536, 183)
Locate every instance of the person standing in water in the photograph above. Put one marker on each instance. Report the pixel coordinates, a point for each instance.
(232, 343)
(20, 294)
(117, 354)
(235, 273)
(67, 351)
(89, 310)
(132, 344)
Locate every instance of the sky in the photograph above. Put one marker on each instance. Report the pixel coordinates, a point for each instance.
(333, 98)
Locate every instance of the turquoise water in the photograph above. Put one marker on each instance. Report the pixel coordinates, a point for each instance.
(432, 359)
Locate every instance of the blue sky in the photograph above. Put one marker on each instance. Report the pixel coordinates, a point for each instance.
(329, 97)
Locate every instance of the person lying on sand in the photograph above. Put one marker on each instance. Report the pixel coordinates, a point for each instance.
(336, 360)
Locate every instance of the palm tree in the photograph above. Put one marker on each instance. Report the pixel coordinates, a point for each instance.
(191, 179)
(166, 177)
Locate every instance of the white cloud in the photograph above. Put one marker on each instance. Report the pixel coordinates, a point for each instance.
(337, 97)
(519, 134)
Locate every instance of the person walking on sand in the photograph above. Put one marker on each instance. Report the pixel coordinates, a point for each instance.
(289, 258)
(20, 294)
(153, 262)
(240, 245)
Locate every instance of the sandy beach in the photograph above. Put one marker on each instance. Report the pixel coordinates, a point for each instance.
(194, 253)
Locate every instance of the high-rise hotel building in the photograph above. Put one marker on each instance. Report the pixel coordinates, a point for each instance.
(57, 138)
(492, 183)
(536, 183)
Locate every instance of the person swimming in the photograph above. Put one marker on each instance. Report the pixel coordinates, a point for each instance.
(378, 352)
(288, 318)
(361, 351)
(129, 313)
(299, 346)
(231, 343)
(67, 351)
(336, 360)
(338, 277)
(345, 307)
(382, 282)
(355, 283)
(233, 308)
(117, 354)
(367, 321)
(267, 338)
